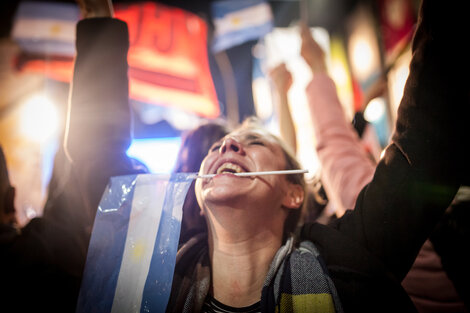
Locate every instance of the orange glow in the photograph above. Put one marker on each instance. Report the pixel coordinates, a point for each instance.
(60, 70)
(167, 58)
(186, 100)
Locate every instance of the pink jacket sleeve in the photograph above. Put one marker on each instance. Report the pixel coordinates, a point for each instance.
(345, 165)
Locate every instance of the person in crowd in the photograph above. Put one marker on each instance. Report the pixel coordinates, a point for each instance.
(8, 221)
(447, 239)
(194, 146)
(42, 264)
(282, 81)
(252, 255)
(250, 261)
(347, 168)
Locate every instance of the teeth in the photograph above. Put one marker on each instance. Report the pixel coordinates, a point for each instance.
(229, 168)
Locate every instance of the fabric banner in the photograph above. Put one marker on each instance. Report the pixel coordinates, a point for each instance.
(132, 251)
(397, 20)
(168, 61)
(46, 28)
(168, 57)
(238, 21)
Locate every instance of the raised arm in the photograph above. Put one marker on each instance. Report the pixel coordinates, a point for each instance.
(282, 80)
(96, 8)
(98, 130)
(345, 166)
(424, 165)
(98, 111)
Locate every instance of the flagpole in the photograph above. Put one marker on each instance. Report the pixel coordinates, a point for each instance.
(230, 87)
(303, 7)
(244, 174)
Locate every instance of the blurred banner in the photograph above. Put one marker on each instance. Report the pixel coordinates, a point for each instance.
(238, 21)
(341, 74)
(46, 28)
(132, 251)
(397, 20)
(168, 61)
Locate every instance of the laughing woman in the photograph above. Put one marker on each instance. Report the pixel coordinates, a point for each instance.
(241, 265)
(253, 260)
(253, 257)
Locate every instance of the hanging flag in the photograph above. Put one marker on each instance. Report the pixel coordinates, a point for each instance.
(238, 21)
(397, 20)
(132, 251)
(168, 61)
(46, 28)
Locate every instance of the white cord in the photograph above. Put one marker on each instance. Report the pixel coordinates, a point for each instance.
(286, 172)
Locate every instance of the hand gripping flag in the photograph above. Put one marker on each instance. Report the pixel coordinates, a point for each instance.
(132, 251)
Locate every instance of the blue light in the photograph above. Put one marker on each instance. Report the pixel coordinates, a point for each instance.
(158, 154)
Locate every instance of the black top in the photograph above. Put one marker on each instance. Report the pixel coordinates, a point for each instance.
(211, 305)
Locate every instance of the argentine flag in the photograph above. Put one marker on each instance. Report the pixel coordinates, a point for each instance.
(238, 21)
(46, 27)
(132, 251)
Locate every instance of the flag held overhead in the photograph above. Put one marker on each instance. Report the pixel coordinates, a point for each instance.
(46, 28)
(238, 21)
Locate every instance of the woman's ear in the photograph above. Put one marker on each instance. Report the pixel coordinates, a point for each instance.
(294, 196)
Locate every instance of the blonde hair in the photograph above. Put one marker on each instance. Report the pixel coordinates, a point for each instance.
(295, 216)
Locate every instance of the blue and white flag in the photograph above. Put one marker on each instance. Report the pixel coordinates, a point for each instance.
(238, 21)
(132, 251)
(46, 27)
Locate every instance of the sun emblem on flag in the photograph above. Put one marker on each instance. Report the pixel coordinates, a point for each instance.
(236, 21)
(55, 29)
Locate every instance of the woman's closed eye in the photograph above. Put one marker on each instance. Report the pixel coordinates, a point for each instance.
(256, 142)
(215, 147)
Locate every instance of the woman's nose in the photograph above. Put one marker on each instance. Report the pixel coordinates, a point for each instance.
(231, 144)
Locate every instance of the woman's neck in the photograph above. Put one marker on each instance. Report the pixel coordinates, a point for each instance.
(239, 268)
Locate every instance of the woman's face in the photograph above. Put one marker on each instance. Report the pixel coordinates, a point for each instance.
(244, 150)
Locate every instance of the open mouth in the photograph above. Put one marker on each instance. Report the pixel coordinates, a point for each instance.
(229, 168)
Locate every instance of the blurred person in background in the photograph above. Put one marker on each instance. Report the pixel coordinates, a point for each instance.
(368, 250)
(282, 81)
(43, 264)
(8, 221)
(347, 168)
(193, 149)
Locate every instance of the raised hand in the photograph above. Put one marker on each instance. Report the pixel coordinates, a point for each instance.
(281, 78)
(96, 8)
(311, 51)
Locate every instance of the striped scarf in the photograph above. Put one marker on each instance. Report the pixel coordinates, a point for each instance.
(297, 280)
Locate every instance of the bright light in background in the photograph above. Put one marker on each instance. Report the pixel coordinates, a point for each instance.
(362, 46)
(362, 55)
(283, 45)
(39, 119)
(396, 81)
(375, 110)
(339, 72)
(158, 154)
